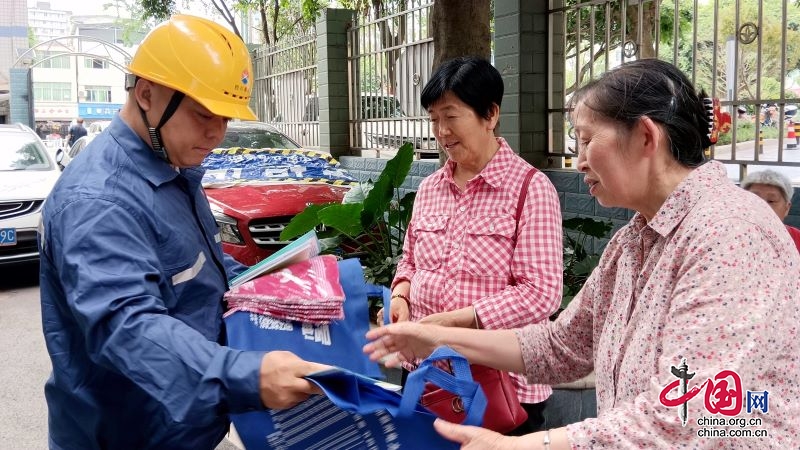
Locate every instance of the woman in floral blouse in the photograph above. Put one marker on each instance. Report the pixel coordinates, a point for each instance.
(690, 321)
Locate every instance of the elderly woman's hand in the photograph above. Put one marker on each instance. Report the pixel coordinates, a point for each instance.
(463, 317)
(399, 311)
(403, 341)
(477, 438)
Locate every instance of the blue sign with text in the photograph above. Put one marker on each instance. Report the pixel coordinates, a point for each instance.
(98, 110)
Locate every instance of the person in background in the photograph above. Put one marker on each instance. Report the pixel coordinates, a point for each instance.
(741, 114)
(132, 271)
(471, 259)
(54, 133)
(41, 130)
(776, 189)
(691, 314)
(76, 132)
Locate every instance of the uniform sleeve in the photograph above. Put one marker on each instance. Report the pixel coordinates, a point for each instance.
(732, 280)
(111, 277)
(536, 266)
(233, 268)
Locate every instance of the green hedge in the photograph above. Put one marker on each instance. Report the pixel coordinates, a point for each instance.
(746, 132)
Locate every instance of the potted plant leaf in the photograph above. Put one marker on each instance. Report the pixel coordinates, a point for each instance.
(579, 260)
(369, 224)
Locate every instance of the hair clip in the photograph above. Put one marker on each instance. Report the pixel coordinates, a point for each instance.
(711, 106)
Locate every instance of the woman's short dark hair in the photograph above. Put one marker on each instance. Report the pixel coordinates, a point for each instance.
(472, 79)
(660, 91)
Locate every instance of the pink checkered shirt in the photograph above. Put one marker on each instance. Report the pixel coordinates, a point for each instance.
(460, 249)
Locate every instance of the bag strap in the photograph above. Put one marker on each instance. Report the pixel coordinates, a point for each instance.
(387, 301)
(523, 195)
(459, 383)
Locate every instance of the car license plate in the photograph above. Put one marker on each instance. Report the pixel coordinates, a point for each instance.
(8, 236)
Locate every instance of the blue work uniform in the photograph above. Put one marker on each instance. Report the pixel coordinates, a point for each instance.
(132, 278)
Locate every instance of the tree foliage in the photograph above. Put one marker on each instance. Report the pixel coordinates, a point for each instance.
(139, 22)
(593, 31)
(278, 18)
(281, 18)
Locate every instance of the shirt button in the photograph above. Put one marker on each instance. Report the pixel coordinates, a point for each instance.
(455, 244)
(462, 209)
(491, 227)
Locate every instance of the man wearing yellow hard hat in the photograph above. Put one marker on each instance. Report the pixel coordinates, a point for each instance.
(132, 271)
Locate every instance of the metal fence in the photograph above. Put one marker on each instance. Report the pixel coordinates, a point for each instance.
(744, 52)
(390, 60)
(285, 88)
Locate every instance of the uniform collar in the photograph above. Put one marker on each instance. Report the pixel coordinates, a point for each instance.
(147, 163)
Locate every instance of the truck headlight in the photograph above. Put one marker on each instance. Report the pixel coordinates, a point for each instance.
(228, 228)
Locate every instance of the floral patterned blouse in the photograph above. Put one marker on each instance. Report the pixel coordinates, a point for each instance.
(713, 280)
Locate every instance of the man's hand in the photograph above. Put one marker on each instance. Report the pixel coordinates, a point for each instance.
(281, 379)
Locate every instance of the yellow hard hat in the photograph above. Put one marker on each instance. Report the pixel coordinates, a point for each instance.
(202, 59)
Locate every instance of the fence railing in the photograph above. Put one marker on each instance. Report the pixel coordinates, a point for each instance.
(390, 60)
(285, 88)
(746, 53)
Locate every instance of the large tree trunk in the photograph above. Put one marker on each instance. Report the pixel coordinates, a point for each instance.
(391, 36)
(647, 46)
(459, 28)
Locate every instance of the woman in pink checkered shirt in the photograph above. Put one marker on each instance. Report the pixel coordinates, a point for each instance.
(471, 259)
(690, 321)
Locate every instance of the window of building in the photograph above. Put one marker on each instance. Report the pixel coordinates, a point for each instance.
(52, 91)
(95, 63)
(98, 94)
(56, 62)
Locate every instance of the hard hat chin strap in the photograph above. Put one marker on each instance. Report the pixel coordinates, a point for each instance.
(155, 133)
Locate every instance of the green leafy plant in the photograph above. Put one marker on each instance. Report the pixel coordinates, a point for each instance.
(579, 261)
(371, 223)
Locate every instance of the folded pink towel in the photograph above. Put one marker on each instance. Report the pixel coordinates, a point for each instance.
(308, 291)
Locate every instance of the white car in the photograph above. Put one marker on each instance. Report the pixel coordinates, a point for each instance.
(386, 125)
(27, 175)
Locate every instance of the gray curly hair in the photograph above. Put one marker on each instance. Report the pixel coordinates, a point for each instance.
(770, 178)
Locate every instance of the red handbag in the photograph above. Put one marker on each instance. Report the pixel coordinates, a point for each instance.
(503, 413)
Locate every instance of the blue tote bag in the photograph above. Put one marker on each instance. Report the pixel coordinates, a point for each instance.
(357, 413)
(338, 343)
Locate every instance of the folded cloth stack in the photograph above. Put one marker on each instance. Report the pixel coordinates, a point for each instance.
(307, 291)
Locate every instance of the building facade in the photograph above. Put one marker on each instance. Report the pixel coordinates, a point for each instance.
(46, 23)
(79, 71)
(13, 41)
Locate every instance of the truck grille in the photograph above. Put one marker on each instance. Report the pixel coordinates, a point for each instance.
(9, 210)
